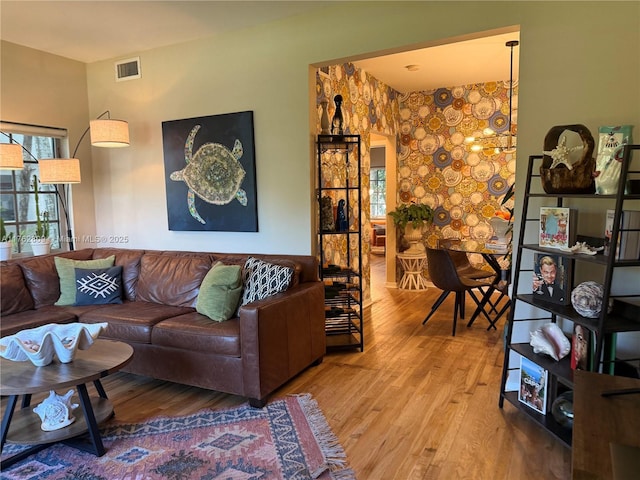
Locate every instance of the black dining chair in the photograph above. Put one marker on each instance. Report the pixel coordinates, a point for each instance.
(461, 260)
(444, 275)
(465, 268)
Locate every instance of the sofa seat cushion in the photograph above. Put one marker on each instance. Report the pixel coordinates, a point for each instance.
(132, 321)
(15, 294)
(197, 332)
(12, 324)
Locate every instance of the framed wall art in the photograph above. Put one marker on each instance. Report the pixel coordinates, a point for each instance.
(210, 173)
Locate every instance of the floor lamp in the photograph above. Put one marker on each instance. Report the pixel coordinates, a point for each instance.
(104, 132)
(62, 172)
(52, 171)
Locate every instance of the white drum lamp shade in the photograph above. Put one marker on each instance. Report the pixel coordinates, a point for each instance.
(109, 133)
(59, 170)
(11, 156)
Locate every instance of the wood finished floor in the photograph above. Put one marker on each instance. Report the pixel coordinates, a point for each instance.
(416, 404)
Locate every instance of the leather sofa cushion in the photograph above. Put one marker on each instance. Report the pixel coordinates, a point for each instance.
(181, 276)
(15, 296)
(130, 262)
(35, 318)
(131, 321)
(42, 278)
(197, 332)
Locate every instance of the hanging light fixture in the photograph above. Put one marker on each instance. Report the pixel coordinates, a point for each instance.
(492, 143)
(11, 156)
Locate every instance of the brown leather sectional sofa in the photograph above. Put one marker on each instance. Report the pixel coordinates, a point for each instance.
(270, 342)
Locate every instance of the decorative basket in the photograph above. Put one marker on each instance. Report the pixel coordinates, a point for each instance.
(560, 179)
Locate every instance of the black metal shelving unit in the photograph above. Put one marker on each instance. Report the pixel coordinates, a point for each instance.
(604, 327)
(339, 179)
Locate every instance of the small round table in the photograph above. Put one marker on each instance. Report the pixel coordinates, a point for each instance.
(413, 265)
(23, 378)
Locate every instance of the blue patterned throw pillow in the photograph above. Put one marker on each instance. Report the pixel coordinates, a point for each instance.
(98, 286)
(262, 279)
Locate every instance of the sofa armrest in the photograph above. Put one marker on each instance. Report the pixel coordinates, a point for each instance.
(280, 336)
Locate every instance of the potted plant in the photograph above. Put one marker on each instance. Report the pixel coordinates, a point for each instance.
(40, 243)
(6, 242)
(412, 218)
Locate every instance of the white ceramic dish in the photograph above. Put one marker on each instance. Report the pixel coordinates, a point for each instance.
(39, 345)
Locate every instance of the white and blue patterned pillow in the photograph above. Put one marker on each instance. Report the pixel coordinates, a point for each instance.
(98, 286)
(263, 279)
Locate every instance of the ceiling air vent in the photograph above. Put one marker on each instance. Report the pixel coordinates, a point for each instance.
(128, 69)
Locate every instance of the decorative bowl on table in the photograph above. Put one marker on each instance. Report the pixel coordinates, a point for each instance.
(41, 344)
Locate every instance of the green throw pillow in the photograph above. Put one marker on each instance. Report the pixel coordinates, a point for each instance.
(220, 292)
(66, 271)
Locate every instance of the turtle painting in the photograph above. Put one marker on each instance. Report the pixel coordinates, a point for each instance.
(213, 173)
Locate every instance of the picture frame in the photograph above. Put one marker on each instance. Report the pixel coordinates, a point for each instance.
(210, 173)
(550, 286)
(557, 227)
(580, 347)
(533, 385)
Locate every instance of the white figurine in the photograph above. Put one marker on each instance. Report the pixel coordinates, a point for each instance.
(55, 411)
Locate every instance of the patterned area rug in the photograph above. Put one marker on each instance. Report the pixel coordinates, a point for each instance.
(288, 439)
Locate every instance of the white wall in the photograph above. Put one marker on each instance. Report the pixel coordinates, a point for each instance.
(37, 88)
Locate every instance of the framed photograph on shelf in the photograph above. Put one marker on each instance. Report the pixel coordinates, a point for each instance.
(533, 385)
(551, 278)
(557, 227)
(580, 347)
(628, 247)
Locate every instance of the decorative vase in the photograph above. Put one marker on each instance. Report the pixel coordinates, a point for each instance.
(342, 225)
(325, 125)
(41, 246)
(500, 228)
(562, 409)
(337, 121)
(6, 249)
(327, 221)
(414, 236)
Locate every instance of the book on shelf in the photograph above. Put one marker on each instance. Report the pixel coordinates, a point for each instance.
(551, 278)
(628, 247)
(557, 227)
(533, 385)
(580, 347)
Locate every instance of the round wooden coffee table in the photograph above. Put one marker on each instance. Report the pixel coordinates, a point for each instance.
(22, 426)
